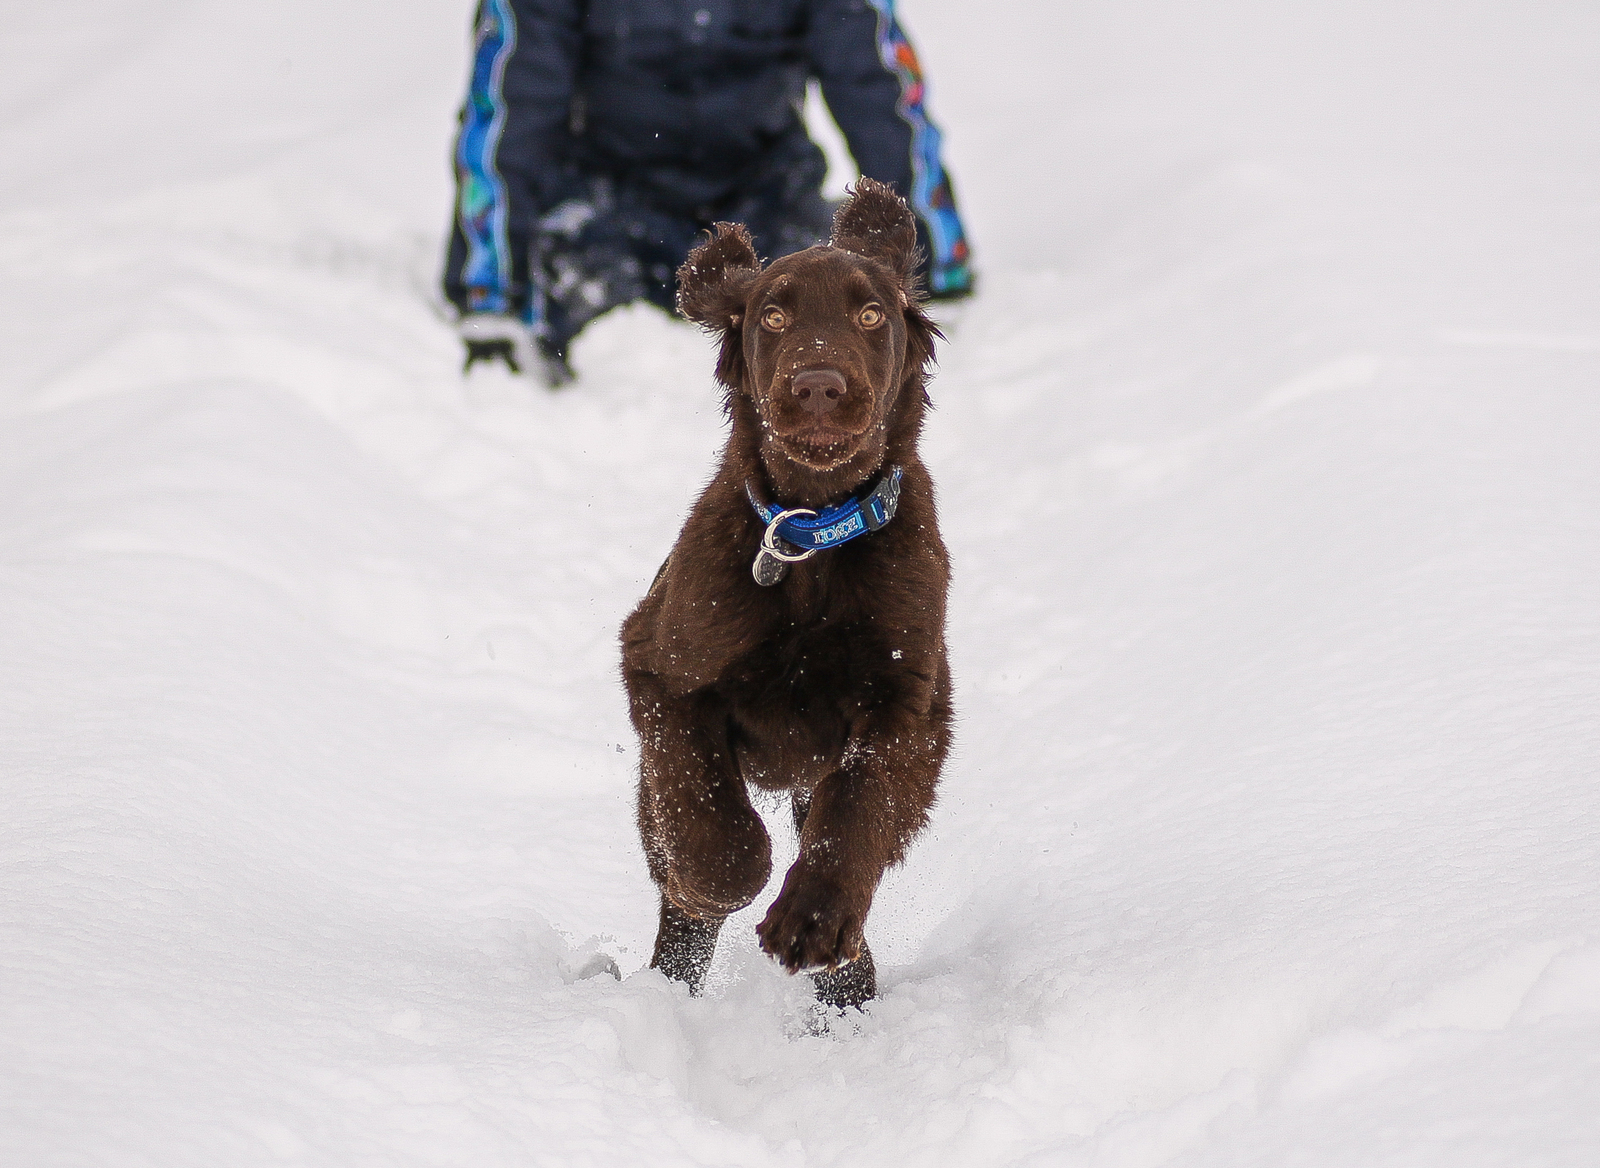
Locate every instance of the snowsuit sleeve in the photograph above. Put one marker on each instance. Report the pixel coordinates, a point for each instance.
(510, 162)
(873, 85)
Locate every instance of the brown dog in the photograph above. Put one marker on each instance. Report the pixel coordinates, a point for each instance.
(824, 676)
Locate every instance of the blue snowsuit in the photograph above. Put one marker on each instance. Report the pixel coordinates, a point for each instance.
(599, 137)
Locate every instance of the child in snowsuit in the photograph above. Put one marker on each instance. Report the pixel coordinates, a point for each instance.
(600, 137)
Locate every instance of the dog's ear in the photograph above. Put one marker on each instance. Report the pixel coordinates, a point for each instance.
(714, 281)
(921, 333)
(713, 285)
(877, 223)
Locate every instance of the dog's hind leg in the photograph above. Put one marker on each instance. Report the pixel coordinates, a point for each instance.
(849, 985)
(684, 945)
(853, 984)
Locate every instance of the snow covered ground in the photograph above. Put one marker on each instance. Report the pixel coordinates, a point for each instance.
(1268, 459)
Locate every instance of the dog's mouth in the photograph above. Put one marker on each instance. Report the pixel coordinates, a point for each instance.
(818, 446)
(819, 451)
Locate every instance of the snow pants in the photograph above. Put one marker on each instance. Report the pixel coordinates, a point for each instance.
(617, 244)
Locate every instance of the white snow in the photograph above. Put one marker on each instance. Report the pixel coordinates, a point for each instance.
(1268, 462)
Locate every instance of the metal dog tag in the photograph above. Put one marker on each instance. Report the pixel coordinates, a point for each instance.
(768, 569)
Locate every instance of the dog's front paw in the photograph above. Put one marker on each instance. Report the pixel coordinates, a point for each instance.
(815, 923)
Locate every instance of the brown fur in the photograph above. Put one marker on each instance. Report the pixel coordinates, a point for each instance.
(833, 684)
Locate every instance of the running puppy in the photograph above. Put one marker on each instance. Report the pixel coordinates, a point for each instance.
(794, 638)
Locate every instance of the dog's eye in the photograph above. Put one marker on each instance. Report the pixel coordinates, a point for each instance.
(870, 317)
(774, 319)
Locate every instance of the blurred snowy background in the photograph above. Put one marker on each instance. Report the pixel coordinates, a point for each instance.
(1268, 461)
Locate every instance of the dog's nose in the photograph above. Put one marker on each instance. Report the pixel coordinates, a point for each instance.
(819, 390)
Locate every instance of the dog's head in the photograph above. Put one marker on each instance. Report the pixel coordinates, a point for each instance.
(828, 347)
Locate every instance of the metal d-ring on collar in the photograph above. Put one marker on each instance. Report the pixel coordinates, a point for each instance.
(774, 545)
(775, 555)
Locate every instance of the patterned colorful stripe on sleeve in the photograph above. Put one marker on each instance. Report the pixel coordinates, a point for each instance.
(930, 193)
(481, 209)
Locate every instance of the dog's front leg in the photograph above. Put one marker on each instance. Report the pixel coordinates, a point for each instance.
(707, 848)
(862, 818)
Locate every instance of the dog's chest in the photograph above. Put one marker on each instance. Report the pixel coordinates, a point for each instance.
(793, 700)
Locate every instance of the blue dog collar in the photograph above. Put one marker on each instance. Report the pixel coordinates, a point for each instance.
(839, 524)
(815, 532)
(798, 533)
